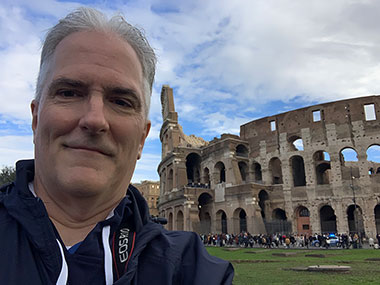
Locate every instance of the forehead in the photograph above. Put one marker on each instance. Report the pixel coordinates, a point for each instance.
(94, 56)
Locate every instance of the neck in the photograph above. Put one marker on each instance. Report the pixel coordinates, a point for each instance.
(74, 217)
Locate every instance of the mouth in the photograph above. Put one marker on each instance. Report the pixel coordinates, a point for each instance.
(88, 149)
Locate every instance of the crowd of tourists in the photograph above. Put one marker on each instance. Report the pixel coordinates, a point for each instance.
(245, 239)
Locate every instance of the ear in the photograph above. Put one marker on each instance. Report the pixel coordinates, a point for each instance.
(34, 109)
(143, 137)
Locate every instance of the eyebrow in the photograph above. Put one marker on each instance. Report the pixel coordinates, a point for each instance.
(117, 90)
(66, 82)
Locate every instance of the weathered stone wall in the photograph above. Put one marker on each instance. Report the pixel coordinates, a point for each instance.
(262, 180)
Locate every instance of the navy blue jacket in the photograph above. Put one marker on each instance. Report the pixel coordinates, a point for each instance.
(30, 253)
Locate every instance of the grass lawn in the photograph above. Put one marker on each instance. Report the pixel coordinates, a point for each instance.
(260, 266)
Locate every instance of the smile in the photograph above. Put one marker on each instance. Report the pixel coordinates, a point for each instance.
(88, 149)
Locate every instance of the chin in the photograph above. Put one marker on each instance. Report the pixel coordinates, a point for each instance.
(85, 185)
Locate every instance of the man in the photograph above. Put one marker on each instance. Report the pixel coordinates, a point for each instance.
(70, 217)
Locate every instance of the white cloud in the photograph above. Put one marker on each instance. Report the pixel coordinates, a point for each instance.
(224, 63)
(154, 133)
(14, 148)
(217, 123)
(146, 167)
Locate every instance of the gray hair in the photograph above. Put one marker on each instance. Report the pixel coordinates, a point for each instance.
(89, 19)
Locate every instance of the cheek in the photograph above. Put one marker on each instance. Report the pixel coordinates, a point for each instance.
(129, 136)
(53, 123)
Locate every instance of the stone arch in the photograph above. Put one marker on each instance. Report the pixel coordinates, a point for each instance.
(180, 221)
(263, 203)
(165, 144)
(303, 220)
(206, 176)
(377, 218)
(205, 202)
(163, 188)
(322, 167)
(257, 173)
(275, 170)
(295, 143)
(170, 222)
(279, 214)
(328, 219)
(373, 159)
(355, 220)
(193, 165)
(221, 170)
(298, 170)
(221, 222)
(241, 150)
(279, 222)
(170, 181)
(240, 220)
(349, 163)
(243, 168)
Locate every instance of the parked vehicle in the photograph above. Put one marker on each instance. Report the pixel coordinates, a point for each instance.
(316, 243)
(333, 240)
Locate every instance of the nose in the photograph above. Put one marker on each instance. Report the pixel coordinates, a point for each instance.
(93, 119)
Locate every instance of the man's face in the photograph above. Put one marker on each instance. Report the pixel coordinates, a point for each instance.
(89, 126)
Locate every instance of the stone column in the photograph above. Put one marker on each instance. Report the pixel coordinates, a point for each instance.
(341, 216)
(315, 219)
(287, 176)
(368, 212)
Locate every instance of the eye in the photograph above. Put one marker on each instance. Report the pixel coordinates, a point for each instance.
(67, 93)
(121, 102)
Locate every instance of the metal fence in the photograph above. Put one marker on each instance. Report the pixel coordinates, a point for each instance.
(278, 226)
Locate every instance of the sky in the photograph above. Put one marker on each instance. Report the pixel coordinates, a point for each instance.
(229, 62)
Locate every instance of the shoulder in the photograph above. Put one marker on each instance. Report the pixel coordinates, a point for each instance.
(193, 261)
(4, 191)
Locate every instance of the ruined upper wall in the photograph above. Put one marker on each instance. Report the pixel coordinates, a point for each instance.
(340, 113)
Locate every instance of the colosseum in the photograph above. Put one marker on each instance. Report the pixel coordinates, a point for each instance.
(304, 171)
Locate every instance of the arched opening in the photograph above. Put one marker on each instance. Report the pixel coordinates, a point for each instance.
(204, 209)
(295, 143)
(240, 220)
(241, 150)
(180, 221)
(221, 171)
(221, 222)
(170, 222)
(355, 220)
(224, 223)
(275, 170)
(279, 214)
(165, 145)
(163, 188)
(373, 158)
(323, 173)
(279, 223)
(303, 221)
(258, 177)
(206, 177)
(170, 181)
(298, 170)
(263, 203)
(322, 167)
(349, 163)
(243, 170)
(243, 221)
(377, 218)
(328, 219)
(193, 164)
